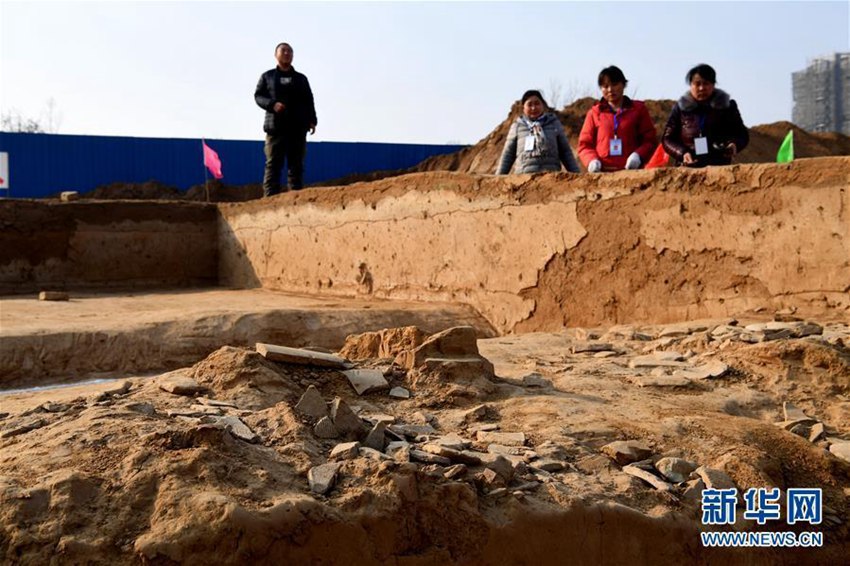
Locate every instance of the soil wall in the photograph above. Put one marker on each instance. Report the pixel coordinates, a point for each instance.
(97, 245)
(535, 253)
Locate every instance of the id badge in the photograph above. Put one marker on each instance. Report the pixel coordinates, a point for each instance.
(616, 147)
(529, 143)
(701, 145)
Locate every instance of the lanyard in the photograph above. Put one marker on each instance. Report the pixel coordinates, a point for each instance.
(701, 124)
(617, 121)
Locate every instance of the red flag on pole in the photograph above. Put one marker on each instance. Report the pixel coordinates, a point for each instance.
(658, 159)
(212, 161)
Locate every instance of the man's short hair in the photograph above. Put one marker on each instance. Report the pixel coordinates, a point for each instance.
(281, 44)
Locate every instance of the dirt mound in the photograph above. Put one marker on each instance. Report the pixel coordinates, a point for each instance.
(149, 190)
(386, 343)
(483, 157)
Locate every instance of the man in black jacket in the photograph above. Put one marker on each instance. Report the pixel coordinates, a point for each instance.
(285, 95)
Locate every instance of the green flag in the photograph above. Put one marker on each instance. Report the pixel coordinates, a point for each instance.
(786, 150)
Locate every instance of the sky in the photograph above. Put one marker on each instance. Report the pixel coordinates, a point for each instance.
(399, 72)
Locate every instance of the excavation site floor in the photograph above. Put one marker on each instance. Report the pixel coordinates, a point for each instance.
(589, 445)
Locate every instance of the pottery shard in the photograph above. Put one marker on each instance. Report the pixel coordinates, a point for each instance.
(312, 404)
(299, 356)
(627, 451)
(676, 470)
(345, 421)
(366, 380)
(325, 428)
(375, 439)
(239, 429)
(648, 477)
(399, 393)
(322, 478)
(457, 342)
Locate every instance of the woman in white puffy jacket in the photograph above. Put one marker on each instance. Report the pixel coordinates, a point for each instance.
(536, 141)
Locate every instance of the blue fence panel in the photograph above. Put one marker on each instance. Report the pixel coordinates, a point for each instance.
(45, 164)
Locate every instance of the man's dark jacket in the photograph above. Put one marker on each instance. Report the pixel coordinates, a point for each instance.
(293, 90)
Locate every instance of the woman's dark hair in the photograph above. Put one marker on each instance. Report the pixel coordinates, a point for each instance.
(529, 93)
(613, 74)
(705, 71)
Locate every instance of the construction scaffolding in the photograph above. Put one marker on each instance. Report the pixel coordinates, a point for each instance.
(822, 95)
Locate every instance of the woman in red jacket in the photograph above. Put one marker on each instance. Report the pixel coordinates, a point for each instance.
(618, 132)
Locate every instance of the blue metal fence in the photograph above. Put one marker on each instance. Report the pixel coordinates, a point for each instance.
(45, 164)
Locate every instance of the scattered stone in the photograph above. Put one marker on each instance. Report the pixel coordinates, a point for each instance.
(412, 431)
(488, 477)
(693, 490)
(499, 492)
(606, 354)
(206, 410)
(711, 369)
(501, 465)
(18, 429)
(300, 356)
(68, 196)
(312, 404)
(841, 450)
(505, 450)
(648, 477)
(240, 430)
(549, 465)
(506, 438)
(652, 361)
(366, 380)
(142, 408)
(375, 439)
(399, 393)
(627, 451)
(658, 380)
(375, 418)
(536, 380)
(178, 383)
(676, 470)
(325, 428)
(455, 471)
(53, 296)
(591, 347)
(816, 432)
(714, 479)
(119, 389)
(322, 478)
(345, 451)
(215, 403)
(585, 334)
(399, 450)
(476, 414)
(346, 422)
(453, 441)
(487, 427)
(422, 456)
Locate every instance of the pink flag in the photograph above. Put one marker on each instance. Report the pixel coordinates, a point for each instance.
(212, 161)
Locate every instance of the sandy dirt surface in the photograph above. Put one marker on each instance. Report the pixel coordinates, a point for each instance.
(483, 464)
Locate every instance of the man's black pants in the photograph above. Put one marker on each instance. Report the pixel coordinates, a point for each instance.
(290, 147)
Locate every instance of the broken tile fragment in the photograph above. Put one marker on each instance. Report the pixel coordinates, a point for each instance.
(366, 380)
(312, 404)
(300, 356)
(322, 478)
(627, 451)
